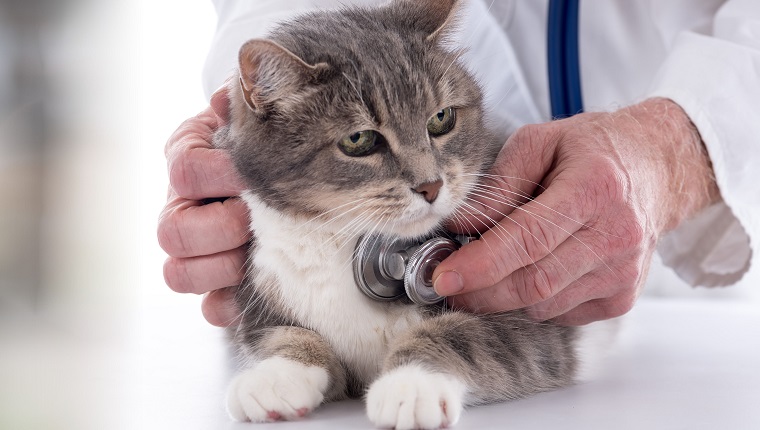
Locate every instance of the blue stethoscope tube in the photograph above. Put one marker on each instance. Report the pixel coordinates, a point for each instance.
(562, 58)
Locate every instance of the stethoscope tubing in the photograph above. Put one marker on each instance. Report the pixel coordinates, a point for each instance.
(563, 58)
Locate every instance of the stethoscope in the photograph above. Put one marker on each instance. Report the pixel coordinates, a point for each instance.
(387, 268)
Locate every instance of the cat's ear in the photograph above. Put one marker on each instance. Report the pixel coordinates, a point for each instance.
(269, 72)
(434, 17)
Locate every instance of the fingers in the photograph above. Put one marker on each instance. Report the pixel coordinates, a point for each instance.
(526, 236)
(187, 228)
(197, 170)
(585, 289)
(205, 273)
(597, 310)
(593, 297)
(219, 307)
(206, 243)
(538, 283)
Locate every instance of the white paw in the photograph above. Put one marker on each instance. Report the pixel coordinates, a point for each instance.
(411, 397)
(276, 389)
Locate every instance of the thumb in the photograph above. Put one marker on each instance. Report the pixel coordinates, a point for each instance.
(513, 180)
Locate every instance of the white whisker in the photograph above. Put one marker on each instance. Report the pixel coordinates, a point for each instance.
(493, 196)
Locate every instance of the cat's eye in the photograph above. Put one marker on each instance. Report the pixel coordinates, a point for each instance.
(359, 144)
(442, 122)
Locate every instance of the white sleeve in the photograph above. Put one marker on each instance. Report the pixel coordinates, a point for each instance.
(715, 78)
(241, 20)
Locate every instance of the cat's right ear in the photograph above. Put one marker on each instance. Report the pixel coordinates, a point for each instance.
(269, 72)
(435, 17)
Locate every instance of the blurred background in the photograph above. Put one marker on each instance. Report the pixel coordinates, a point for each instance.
(89, 92)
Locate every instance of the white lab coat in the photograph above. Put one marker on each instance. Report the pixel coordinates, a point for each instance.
(703, 54)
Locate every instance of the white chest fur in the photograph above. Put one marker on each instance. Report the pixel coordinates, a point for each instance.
(315, 280)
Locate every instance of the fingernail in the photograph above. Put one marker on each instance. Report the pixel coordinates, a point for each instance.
(448, 283)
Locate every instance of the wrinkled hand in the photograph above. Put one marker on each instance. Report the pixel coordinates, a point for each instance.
(577, 247)
(206, 243)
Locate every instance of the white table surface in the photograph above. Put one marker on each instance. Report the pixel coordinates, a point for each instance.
(677, 364)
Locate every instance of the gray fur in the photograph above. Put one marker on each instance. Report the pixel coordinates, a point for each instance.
(383, 68)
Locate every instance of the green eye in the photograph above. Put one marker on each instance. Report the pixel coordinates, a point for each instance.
(359, 144)
(442, 122)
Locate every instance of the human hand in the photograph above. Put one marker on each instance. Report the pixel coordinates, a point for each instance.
(577, 247)
(206, 243)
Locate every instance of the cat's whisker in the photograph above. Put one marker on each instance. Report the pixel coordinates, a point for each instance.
(467, 43)
(494, 176)
(352, 226)
(370, 232)
(364, 202)
(498, 228)
(528, 197)
(501, 229)
(473, 211)
(326, 213)
(533, 263)
(354, 233)
(457, 56)
(350, 81)
(493, 196)
(509, 90)
(546, 246)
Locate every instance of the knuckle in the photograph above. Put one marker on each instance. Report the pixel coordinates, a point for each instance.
(175, 275)
(233, 267)
(529, 132)
(170, 235)
(619, 305)
(634, 234)
(529, 139)
(534, 284)
(536, 239)
(235, 224)
(609, 181)
(629, 236)
(182, 175)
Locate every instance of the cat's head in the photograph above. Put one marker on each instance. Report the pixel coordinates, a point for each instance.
(360, 118)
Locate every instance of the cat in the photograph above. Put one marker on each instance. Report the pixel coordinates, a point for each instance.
(350, 122)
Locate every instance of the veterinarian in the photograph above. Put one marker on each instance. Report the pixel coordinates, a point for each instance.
(665, 158)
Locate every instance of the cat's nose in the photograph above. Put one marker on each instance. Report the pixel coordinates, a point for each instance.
(429, 190)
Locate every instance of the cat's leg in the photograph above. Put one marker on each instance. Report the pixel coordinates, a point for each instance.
(293, 371)
(458, 359)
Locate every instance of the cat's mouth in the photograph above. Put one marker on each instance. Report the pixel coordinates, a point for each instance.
(418, 221)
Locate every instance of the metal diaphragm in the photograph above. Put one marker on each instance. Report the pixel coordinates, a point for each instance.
(388, 268)
(418, 277)
(379, 264)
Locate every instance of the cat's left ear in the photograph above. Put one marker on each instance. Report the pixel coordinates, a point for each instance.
(270, 73)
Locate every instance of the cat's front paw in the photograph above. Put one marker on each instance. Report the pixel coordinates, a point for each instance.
(410, 397)
(276, 389)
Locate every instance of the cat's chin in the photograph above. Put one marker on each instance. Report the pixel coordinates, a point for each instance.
(416, 229)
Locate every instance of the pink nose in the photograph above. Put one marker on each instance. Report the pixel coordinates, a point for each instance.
(429, 190)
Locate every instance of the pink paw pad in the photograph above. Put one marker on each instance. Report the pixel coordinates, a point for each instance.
(274, 415)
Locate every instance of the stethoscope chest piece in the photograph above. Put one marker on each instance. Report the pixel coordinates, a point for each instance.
(389, 268)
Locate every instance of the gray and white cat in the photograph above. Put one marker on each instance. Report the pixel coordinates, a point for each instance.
(351, 122)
